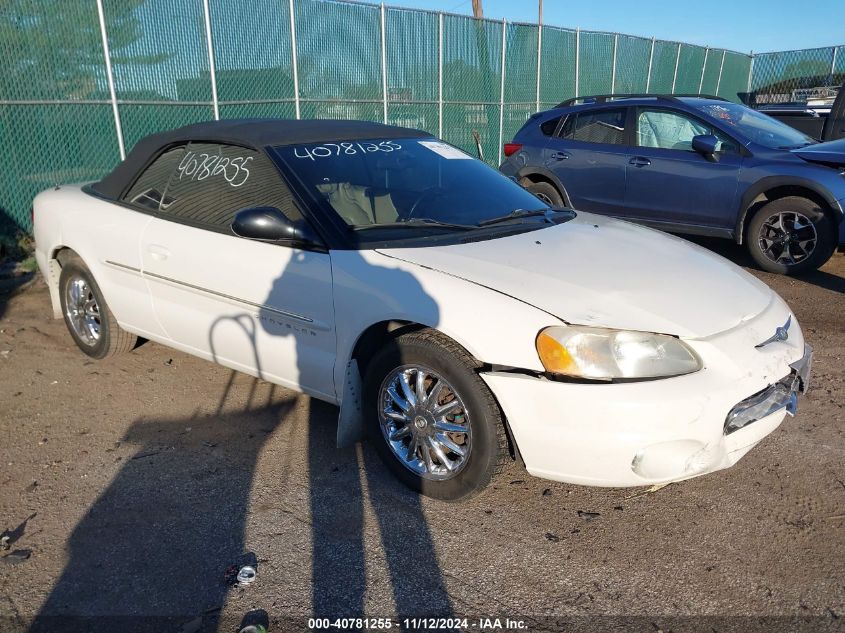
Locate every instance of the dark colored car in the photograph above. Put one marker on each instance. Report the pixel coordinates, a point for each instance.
(822, 122)
(690, 164)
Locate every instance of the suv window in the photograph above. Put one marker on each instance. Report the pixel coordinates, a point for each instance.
(548, 128)
(598, 126)
(665, 129)
(148, 190)
(212, 182)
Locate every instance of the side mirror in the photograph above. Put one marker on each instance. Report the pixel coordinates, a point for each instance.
(705, 144)
(268, 224)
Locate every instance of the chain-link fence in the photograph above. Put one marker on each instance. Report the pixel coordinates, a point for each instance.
(82, 80)
(798, 76)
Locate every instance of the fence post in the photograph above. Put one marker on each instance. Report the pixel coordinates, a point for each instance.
(650, 61)
(703, 67)
(677, 61)
(440, 75)
(750, 72)
(539, 59)
(721, 66)
(832, 64)
(577, 60)
(502, 90)
(211, 70)
(383, 61)
(293, 59)
(110, 78)
(613, 72)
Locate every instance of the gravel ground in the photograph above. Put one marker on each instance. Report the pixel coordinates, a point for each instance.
(135, 482)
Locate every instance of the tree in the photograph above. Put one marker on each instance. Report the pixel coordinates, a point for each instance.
(52, 49)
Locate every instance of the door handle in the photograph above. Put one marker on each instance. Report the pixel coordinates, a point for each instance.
(158, 252)
(640, 161)
(560, 155)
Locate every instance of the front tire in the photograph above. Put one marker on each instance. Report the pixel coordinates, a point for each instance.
(87, 316)
(790, 236)
(433, 421)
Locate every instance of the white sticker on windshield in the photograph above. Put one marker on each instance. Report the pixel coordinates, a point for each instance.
(446, 151)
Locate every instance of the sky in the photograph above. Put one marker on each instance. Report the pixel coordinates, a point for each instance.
(742, 25)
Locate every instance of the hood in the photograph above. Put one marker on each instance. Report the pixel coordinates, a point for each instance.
(830, 153)
(606, 273)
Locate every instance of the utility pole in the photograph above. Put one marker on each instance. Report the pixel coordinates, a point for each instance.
(477, 11)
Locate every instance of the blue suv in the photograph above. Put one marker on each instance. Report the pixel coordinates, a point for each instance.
(690, 164)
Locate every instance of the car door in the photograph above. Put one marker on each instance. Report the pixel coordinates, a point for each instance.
(589, 155)
(117, 236)
(669, 183)
(262, 308)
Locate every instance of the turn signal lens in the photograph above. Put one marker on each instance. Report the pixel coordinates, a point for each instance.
(554, 356)
(602, 354)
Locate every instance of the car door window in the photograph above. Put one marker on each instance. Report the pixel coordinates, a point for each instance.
(212, 182)
(548, 128)
(148, 190)
(664, 129)
(598, 126)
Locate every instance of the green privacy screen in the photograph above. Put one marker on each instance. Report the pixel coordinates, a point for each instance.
(632, 55)
(174, 63)
(797, 75)
(558, 59)
(595, 63)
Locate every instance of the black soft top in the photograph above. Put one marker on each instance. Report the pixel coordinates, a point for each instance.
(253, 133)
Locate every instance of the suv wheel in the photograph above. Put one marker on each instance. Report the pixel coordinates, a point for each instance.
(546, 192)
(790, 235)
(433, 421)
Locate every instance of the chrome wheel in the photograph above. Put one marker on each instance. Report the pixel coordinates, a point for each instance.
(82, 311)
(424, 422)
(787, 238)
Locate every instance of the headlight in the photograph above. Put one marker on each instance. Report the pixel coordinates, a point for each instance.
(600, 354)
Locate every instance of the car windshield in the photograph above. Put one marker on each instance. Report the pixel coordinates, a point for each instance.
(418, 183)
(760, 128)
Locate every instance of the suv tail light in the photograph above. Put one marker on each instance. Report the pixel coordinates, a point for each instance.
(512, 148)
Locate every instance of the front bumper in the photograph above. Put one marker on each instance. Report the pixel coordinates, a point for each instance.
(642, 433)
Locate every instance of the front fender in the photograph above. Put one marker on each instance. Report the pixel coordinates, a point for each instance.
(370, 287)
(772, 182)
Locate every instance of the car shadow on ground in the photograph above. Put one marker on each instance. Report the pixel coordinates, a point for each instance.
(153, 547)
(12, 285)
(739, 255)
(151, 551)
(338, 568)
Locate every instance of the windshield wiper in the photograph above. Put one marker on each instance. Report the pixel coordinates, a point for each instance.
(518, 214)
(413, 222)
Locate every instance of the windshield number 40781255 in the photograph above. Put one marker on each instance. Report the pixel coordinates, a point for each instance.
(328, 150)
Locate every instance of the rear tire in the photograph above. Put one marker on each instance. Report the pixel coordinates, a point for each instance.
(546, 192)
(87, 316)
(434, 466)
(790, 236)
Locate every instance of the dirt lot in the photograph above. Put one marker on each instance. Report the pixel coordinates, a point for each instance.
(145, 476)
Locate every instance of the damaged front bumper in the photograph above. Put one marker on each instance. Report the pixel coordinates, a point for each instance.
(643, 433)
(781, 395)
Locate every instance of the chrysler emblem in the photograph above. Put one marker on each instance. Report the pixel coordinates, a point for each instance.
(781, 333)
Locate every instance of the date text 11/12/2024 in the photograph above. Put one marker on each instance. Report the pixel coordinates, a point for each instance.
(419, 624)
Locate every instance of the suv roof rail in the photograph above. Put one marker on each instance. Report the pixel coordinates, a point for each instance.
(643, 95)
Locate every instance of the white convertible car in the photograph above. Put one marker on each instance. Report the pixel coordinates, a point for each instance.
(456, 319)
